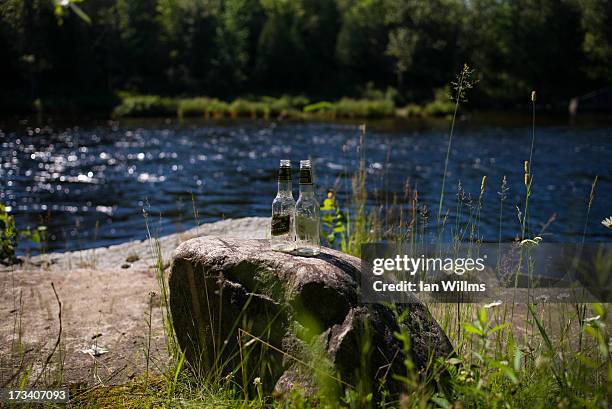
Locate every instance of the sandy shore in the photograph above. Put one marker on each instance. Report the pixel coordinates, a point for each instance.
(106, 294)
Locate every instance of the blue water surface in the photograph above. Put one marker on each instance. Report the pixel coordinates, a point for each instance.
(90, 185)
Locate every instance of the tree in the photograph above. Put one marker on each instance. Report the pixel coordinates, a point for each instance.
(280, 48)
(596, 22)
(425, 42)
(362, 41)
(238, 22)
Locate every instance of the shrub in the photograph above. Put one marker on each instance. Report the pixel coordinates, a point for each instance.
(441, 105)
(242, 108)
(145, 105)
(202, 106)
(285, 105)
(363, 108)
(411, 110)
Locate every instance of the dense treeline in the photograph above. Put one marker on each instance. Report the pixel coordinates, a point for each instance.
(320, 48)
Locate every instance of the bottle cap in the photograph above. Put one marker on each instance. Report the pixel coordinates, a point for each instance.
(284, 172)
(305, 172)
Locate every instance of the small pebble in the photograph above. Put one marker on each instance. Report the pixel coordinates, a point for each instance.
(126, 265)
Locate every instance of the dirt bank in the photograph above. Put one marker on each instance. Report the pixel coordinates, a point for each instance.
(106, 295)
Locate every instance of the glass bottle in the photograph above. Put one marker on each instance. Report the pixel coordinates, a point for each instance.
(307, 214)
(283, 211)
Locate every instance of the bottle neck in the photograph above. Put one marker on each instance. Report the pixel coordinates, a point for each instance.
(306, 190)
(284, 186)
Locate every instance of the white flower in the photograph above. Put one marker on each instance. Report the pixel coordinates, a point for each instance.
(591, 319)
(95, 351)
(493, 304)
(257, 381)
(607, 222)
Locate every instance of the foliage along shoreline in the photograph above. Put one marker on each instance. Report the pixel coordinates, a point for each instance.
(266, 107)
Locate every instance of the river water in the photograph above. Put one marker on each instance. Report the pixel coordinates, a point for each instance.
(90, 185)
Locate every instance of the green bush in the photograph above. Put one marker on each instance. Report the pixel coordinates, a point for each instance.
(145, 105)
(371, 92)
(353, 108)
(412, 110)
(192, 107)
(285, 105)
(202, 106)
(242, 108)
(442, 105)
(363, 108)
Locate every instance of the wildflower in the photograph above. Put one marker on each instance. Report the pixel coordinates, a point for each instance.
(464, 83)
(503, 194)
(526, 173)
(531, 242)
(493, 304)
(607, 222)
(257, 381)
(533, 96)
(95, 351)
(591, 319)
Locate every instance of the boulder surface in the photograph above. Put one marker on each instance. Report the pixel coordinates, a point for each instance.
(243, 311)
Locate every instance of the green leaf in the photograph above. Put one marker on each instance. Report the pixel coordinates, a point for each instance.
(482, 315)
(587, 361)
(498, 327)
(517, 358)
(441, 402)
(599, 309)
(472, 329)
(541, 329)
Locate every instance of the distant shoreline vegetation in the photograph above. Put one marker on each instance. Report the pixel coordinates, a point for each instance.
(266, 107)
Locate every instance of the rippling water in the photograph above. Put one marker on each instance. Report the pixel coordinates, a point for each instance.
(89, 186)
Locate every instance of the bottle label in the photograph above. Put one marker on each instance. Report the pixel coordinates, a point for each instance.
(281, 224)
(305, 177)
(284, 174)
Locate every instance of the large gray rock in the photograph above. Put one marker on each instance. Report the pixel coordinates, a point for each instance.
(305, 313)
